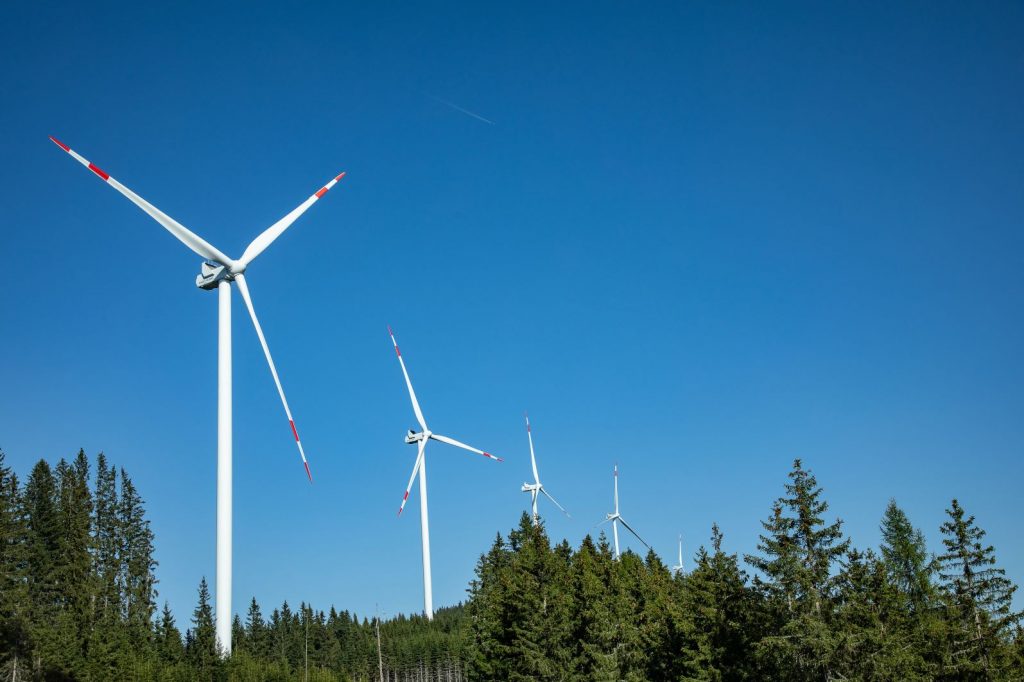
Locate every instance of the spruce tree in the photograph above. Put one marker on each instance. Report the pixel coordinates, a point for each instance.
(906, 558)
(136, 578)
(799, 550)
(108, 543)
(202, 651)
(13, 577)
(979, 595)
(719, 617)
(74, 568)
(167, 638)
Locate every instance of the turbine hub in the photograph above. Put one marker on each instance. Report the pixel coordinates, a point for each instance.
(211, 274)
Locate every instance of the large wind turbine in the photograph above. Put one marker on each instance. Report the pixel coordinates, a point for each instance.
(678, 568)
(535, 488)
(217, 272)
(420, 467)
(616, 518)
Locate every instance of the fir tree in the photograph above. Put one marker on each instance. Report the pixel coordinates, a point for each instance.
(720, 612)
(202, 650)
(13, 592)
(167, 638)
(906, 558)
(980, 597)
(799, 551)
(136, 577)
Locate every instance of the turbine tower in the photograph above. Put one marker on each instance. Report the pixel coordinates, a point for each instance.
(218, 272)
(535, 489)
(678, 568)
(420, 467)
(616, 518)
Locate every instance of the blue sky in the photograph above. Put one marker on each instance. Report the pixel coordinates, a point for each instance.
(698, 240)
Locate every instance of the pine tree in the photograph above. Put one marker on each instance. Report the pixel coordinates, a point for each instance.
(74, 574)
(108, 543)
(136, 577)
(719, 612)
(980, 597)
(799, 551)
(202, 651)
(42, 546)
(13, 592)
(167, 638)
(906, 558)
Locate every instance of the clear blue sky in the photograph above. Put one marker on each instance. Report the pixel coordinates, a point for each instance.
(698, 240)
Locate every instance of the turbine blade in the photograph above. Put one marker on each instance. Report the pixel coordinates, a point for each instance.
(243, 288)
(452, 441)
(616, 488)
(415, 470)
(184, 235)
(548, 495)
(630, 529)
(268, 236)
(408, 383)
(533, 458)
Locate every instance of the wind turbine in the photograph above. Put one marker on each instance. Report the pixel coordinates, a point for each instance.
(420, 467)
(678, 568)
(616, 518)
(536, 488)
(217, 272)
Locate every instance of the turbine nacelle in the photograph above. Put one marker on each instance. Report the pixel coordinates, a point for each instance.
(531, 487)
(211, 274)
(415, 437)
(612, 517)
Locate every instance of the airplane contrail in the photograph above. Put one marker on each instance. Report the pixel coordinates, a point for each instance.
(467, 112)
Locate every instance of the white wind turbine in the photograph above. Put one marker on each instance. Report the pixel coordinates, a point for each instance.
(420, 467)
(535, 488)
(217, 272)
(678, 568)
(616, 518)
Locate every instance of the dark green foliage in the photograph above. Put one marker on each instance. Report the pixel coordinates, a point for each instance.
(978, 600)
(906, 559)
(78, 603)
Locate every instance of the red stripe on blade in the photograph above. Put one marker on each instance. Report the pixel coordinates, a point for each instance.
(306, 464)
(340, 176)
(294, 432)
(98, 172)
(60, 144)
(322, 191)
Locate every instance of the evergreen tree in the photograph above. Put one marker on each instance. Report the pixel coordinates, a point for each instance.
(799, 551)
(74, 567)
(979, 596)
(13, 590)
(136, 577)
(720, 617)
(202, 650)
(906, 558)
(167, 638)
(108, 543)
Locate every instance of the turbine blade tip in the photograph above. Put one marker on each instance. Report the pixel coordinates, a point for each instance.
(60, 144)
(340, 176)
(306, 464)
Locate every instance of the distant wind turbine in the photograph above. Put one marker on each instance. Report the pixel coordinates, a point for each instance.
(420, 467)
(678, 568)
(536, 488)
(616, 518)
(218, 272)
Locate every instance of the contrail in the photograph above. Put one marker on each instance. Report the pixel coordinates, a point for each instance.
(467, 112)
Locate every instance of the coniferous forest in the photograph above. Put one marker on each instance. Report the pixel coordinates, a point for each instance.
(79, 601)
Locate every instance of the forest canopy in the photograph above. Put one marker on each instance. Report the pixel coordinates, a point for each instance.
(78, 601)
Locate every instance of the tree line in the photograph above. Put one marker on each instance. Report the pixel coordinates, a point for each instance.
(816, 608)
(78, 601)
